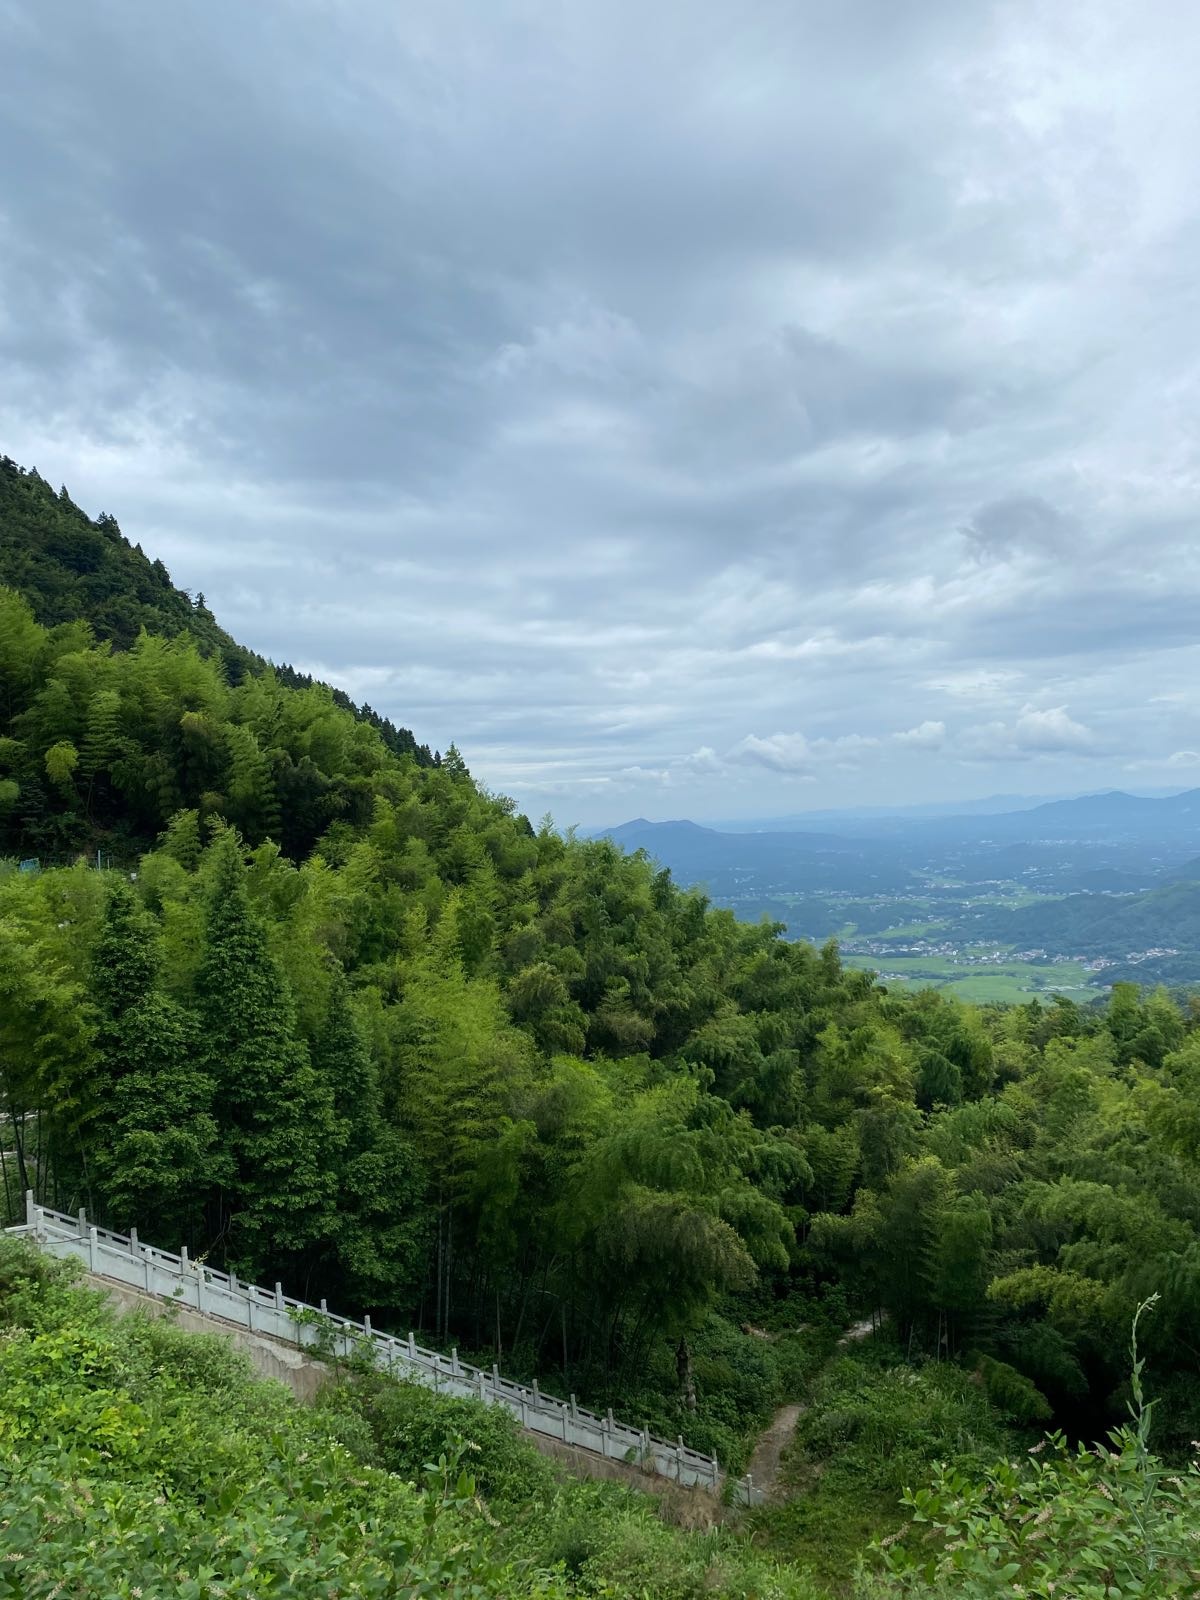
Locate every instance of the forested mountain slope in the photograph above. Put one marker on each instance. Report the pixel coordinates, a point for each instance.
(71, 567)
(348, 1021)
(1104, 924)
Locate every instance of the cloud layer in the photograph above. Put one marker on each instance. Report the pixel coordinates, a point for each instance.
(689, 410)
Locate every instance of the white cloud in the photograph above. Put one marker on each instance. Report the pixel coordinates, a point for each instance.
(589, 408)
(1052, 730)
(703, 760)
(1035, 732)
(1179, 761)
(661, 776)
(780, 752)
(974, 683)
(928, 735)
(795, 754)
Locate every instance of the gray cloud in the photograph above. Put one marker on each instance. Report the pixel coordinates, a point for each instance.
(648, 399)
(1023, 523)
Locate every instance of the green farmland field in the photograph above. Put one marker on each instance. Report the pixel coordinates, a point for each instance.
(1001, 982)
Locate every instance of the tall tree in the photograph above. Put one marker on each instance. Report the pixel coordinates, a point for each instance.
(153, 1133)
(43, 1035)
(383, 1220)
(276, 1114)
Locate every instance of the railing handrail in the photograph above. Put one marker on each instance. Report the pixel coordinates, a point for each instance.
(667, 1458)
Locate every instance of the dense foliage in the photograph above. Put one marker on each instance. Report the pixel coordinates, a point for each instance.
(135, 1461)
(138, 1460)
(353, 1023)
(521, 1090)
(1091, 1522)
(71, 568)
(876, 1424)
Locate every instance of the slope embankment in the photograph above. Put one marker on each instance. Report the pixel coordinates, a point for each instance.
(304, 1375)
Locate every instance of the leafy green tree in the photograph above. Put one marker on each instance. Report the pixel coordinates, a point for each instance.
(383, 1222)
(276, 1116)
(41, 1067)
(1105, 1521)
(154, 1136)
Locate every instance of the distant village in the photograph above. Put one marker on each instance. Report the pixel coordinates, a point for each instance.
(975, 955)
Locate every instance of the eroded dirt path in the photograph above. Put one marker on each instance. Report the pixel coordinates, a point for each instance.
(774, 1440)
(768, 1452)
(860, 1330)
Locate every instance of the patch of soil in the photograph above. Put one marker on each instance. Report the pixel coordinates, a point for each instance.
(768, 1452)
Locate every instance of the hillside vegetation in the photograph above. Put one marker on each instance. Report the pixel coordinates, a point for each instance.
(1094, 924)
(71, 567)
(344, 1019)
(137, 1461)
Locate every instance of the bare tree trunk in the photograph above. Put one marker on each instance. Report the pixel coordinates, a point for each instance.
(687, 1378)
(4, 1175)
(437, 1268)
(449, 1264)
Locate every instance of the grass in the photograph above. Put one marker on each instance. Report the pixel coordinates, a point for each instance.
(1014, 899)
(875, 1425)
(910, 930)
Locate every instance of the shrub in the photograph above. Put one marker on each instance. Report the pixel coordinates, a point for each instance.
(1089, 1523)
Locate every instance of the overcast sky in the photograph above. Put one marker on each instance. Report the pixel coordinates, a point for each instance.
(691, 409)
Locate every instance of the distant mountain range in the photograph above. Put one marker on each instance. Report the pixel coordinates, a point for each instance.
(1113, 817)
(1124, 870)
(859, 819)
(804, 821)
(761, 863)
(1163, 832)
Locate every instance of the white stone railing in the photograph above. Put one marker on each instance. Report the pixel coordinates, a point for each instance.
(125, 1259)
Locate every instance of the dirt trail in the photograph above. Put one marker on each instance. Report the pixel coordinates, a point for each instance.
(768, 1452)
(860, 1330)
(774, 1440)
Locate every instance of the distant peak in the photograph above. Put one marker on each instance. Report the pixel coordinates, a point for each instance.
(644, 825)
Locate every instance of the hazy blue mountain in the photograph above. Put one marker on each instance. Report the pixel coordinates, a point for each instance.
(682, 835)
(860, 819)
(1127, 869)
(1113, 815)
(762, 864)
(1187, 872)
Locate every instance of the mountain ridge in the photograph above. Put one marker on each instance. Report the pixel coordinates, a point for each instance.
(1100, 807)
(72, 567)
